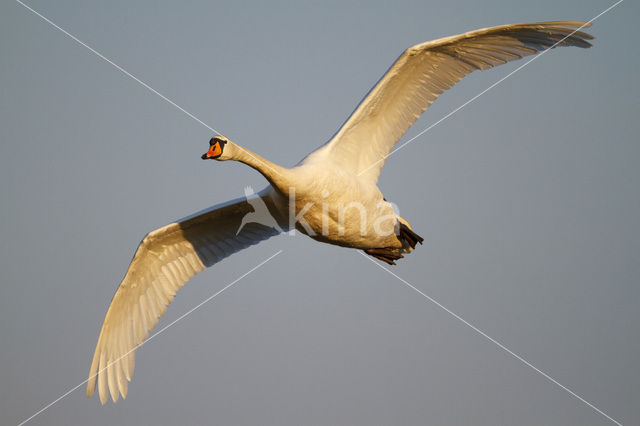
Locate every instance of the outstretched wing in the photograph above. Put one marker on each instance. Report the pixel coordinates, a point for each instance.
(164, 261)
(422, 73)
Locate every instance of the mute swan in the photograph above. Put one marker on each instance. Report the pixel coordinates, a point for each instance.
(331, 195)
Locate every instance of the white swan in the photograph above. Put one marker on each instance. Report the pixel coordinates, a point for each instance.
(332, 194)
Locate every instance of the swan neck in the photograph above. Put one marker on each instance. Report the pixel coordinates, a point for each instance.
(275, 174)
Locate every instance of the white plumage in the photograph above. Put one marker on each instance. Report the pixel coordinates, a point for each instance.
(344, 171)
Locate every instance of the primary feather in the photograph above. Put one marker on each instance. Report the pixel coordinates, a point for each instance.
(164, 261)
(426, 70)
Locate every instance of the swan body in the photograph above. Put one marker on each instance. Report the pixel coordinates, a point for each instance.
(335, 206)
(331, 195)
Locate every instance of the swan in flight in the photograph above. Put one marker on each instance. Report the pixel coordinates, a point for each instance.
(331, 195)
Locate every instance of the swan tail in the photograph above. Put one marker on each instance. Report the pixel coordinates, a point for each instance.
(407, 237)
(386, 254)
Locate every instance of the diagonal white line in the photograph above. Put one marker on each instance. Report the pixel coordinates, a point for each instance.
(491, 339)
(489, 88)
(128, 74)
(152, 336)
(118, 67)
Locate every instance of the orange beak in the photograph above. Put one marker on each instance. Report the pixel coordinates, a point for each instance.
(214, 151)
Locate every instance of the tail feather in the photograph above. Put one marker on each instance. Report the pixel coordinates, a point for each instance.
(386, 254)
(407, 234)
(389, 255)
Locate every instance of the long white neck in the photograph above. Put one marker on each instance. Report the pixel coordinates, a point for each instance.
(277, 175)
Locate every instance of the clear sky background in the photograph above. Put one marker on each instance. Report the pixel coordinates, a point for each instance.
(527, 198)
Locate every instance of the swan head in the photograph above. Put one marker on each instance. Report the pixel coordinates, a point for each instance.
(216, 149)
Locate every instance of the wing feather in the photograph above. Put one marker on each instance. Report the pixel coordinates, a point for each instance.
(422, 73)
(164, 261)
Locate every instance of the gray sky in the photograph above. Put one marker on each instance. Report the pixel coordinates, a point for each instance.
(527, 199)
